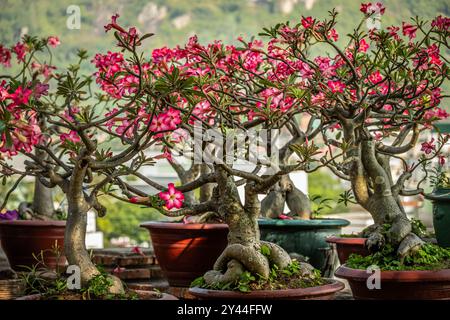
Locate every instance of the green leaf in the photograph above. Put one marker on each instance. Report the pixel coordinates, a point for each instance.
(2, 126)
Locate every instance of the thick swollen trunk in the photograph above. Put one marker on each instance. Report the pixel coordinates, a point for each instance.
(286, 193)
(383, 203)
(244, 246)
(42, 207)
(386, 211)
(75, 233)
(43, 200)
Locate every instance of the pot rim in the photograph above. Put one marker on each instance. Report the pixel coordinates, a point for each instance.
(182, 226)
(434, 196)
(346, 240)
(318, 223)
(33, 223)
(395, 276)
(331, 287)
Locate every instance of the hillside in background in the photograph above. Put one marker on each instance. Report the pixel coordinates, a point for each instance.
(173, 21)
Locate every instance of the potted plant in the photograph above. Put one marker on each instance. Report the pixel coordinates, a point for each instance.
(376, 96)
(298, 231)
(210, 105)
(83, 126)
(32, 228)
(441, 204)
(186, 249)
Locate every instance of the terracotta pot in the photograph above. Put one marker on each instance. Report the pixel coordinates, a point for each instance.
(20, 239)
(399, 285)
(346, 246)
(186, 251)
(325, 292)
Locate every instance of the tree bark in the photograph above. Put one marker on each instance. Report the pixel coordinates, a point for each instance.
(75, 233)
(383, 205)
(244, 246)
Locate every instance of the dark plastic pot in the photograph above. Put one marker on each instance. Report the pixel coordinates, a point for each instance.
(186, 251)
(346, 246)
(20, 239)
(325, 292)
(399, 285)
(441, 215)
(304, 237)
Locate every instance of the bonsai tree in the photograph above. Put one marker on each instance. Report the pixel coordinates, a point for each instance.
(93, 141)
(375, 97)
(41, 207)
(217, 91)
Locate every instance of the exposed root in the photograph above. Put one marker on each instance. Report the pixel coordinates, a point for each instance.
(117, 285)
(375, 240)
(399, 229)
(232, 274)
(237, 258)
(399, 234)
(252, 259)
(278, 255)
(410, 244)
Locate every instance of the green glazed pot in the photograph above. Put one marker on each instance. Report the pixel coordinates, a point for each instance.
(441, 215)
(304, 237)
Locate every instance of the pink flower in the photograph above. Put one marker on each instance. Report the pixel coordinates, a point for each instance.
(41, 89)
(307, 22)
(442, 23)
(20, 50)
(159, 124)
(375, 77)
(363, 46)
(336, 86)
(118, 270)
(428, 147)
(5, 56)
(409, 30)
(369, 8)
(25, 133)
(332, 34)
(113, 24)
(53, 41)
(71, 136)
(173, 118)
(434, 54)
(21, 96)
(172, 197)
(137, 250)
(393, 32)
(441, 160)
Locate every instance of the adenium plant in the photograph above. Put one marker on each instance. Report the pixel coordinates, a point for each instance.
(380, 85)
(375, 96)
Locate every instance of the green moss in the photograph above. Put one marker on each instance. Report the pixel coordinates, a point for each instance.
(290, 277)
(428, 257)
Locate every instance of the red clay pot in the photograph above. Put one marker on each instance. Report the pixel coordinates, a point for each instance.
(399, 285)
(21, 238)
(346, 246)
(325, 292)
(186, 251)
